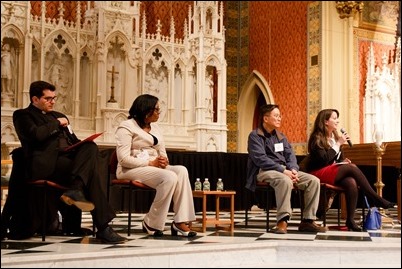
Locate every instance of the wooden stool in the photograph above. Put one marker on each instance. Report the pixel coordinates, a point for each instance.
(216, 221)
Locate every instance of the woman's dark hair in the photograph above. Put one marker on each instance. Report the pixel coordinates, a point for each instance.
(37, 88)
(142, 106)
(264, 109)
(319, 133)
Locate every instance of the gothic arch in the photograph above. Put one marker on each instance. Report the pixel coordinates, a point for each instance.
(118, 119)
(213, 61)
(180, 63)
(254, 86)
(164, 53)
(36, 61)
(8, 133)
(13, 39)
(71, 44)
(192, 61)
(179, 86)
(89, 51)
(120, 35)
(11, 31)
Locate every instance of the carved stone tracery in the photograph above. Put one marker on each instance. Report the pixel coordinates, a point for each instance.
(78, 53)
(382, 98)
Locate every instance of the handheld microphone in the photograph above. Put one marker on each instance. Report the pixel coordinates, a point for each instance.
(349, 142)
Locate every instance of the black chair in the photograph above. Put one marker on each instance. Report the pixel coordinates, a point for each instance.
(132, 186)
(23, 188)
(268, 189)
(46, 186)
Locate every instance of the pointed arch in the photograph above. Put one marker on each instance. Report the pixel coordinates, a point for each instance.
(158, 49)
(69, 40)
(177, 101)
(121, 36)
(88, 50)
(254, 87)
(36, 60)
(12, 31)
(213, 60)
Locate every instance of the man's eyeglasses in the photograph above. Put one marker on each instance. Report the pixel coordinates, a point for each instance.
(50, 99)
(277, 116)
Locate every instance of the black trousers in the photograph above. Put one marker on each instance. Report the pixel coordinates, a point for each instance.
(82, 164)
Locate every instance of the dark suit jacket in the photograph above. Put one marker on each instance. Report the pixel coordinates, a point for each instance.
(44, 141)
(39, 135)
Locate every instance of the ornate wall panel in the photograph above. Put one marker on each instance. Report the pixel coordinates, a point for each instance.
(237, 55)
(278, 51)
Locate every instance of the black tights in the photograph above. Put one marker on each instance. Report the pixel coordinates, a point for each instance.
(351, 178)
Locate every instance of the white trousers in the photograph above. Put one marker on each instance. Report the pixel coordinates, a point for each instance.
(172, 184)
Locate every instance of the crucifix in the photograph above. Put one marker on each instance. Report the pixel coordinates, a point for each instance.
(112, 100)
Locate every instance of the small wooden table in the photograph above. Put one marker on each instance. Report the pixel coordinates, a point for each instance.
(216, 221)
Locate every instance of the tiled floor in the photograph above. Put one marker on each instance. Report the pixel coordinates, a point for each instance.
(247, 247)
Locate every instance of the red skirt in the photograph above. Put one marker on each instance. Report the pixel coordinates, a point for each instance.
(326, 174)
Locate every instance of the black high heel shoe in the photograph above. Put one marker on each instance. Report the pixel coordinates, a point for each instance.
(352, 226)
(386, 204)
(151, 231)
(390, 205)
(174, 231)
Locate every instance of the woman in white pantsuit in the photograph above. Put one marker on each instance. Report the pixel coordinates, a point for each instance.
(142, 156)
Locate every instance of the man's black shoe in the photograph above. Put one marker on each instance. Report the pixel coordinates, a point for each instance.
(78, 232)
(109, 236)
(77, 198)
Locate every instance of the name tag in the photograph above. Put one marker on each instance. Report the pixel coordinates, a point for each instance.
(278, 147)
(144, 155)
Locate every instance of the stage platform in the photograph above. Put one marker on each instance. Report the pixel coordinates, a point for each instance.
(246, 247)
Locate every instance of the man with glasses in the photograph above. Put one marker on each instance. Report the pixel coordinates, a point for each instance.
(45, 134)
(271, 159)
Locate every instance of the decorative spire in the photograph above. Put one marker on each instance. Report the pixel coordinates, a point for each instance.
(61, 10)
(144, 24)
(172, 27)
(185, 29)
(158, 29)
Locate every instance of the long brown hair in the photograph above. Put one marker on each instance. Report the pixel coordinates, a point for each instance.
(319, 134)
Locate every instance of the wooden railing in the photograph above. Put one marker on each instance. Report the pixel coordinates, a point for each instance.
(364, 154)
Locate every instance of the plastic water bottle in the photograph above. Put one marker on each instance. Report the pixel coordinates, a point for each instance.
(219, 185)
(206, 186)
(197, 185)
